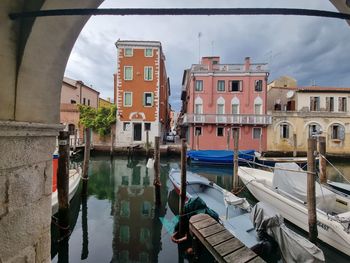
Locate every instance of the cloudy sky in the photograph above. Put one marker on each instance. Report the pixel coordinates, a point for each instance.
(310, 49)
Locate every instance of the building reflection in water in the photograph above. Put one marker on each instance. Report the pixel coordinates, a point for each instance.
(137, 228)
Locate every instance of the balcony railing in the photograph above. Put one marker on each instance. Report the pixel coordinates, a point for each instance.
(246, 119)
(231, 67)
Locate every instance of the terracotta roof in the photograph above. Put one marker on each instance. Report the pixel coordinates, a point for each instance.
(73, 83)
(322, 89)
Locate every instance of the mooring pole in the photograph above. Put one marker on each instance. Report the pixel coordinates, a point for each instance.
(157, 183)
(75, 140)
(197, 140)
(311, 197)
(228, 139)
(63, 181)
(147, 144)
(294, 145)
(235, 159)
(322, 160)
(86, 159)
(183, 188)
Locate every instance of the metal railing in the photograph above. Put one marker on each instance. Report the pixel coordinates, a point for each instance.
(247, 119)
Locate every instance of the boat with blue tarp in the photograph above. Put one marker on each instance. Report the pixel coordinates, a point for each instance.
(219, 157)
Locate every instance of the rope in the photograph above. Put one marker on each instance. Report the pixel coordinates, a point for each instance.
(335, 168)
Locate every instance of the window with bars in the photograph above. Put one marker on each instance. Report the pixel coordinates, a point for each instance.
(148, 74)
(199, 85)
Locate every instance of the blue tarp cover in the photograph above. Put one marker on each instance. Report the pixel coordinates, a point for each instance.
(219, 156)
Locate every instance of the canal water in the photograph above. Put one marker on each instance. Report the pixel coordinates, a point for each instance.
(119, 222)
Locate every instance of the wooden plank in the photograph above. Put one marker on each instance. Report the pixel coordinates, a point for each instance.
(204, 223)
(257, 259)
(219, 238)
(228, 246)
(241, 255)
(210, 230)
(198, 217)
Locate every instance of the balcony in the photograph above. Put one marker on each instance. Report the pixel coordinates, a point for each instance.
(236, 119)
(233, 68)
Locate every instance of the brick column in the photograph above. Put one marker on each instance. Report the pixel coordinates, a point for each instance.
(25, 190)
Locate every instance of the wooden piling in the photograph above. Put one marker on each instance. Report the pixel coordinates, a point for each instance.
(228, 139)
(235, 159)
(294, 145)
(63, 181)
(322, 160)
(311, 196)
(75, 140)
(147, 144)
(157, 183)
(197, 140)
(183, 187)
(86, 152)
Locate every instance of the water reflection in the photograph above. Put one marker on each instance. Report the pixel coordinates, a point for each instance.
(118, 221)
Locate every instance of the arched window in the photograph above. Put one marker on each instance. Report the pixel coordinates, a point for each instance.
(258, 105)
(284, 130)
(220, 109)
(314, 129)
(235, 105)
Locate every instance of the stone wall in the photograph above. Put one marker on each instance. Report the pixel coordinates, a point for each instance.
(25, 190)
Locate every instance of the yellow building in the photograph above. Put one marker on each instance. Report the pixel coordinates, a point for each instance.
(104, 103)
(282, 82)
(300, 112)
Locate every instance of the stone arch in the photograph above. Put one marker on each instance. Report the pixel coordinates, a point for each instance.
(235, 105)
(198, 100)
(258, 100)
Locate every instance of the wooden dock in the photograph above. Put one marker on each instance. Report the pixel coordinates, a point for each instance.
(219, 241)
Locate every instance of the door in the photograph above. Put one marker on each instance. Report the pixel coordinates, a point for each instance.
(137, 131)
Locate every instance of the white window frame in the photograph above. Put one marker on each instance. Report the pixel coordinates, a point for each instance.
(201, 86)
(256, 128)
(144, 99)
(128, 55)
(146, 52)
(145, 73)
(257, 85)
(132, 72)
(217, 85)
(127, 92)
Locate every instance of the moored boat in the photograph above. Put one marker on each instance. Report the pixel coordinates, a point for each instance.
(218, 157)
(285, 190)
(236, 217)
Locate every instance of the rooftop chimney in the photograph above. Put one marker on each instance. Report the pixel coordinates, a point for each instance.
(247, 63)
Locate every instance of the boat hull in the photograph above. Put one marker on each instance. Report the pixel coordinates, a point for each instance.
(330, 232)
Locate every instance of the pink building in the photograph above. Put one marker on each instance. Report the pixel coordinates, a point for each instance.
(218, 98)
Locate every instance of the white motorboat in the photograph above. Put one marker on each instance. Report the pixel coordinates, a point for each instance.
(236, 215)
(285, 189)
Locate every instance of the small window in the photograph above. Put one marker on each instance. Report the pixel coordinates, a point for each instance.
(148, 52)
(128, 52)
(235, 108)
(199, 85)
(342, 104)
(314, 103)
(236, 130)
(126, 126)
(88, 102)
(148, 99)
(215, 62)
(73, 102)
(220, 131)
(257, 133)
(235, 85)
(127, 99)
(84, 101)
(284, 131)
(146, 208)
(148, 73)
(124, 208)
(337, 132)
(128, 72)
(257, 109)
(198, 131)
(258, 85)
(221, 85)
(147, 126)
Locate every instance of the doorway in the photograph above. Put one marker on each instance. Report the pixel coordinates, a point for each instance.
(137, 131)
